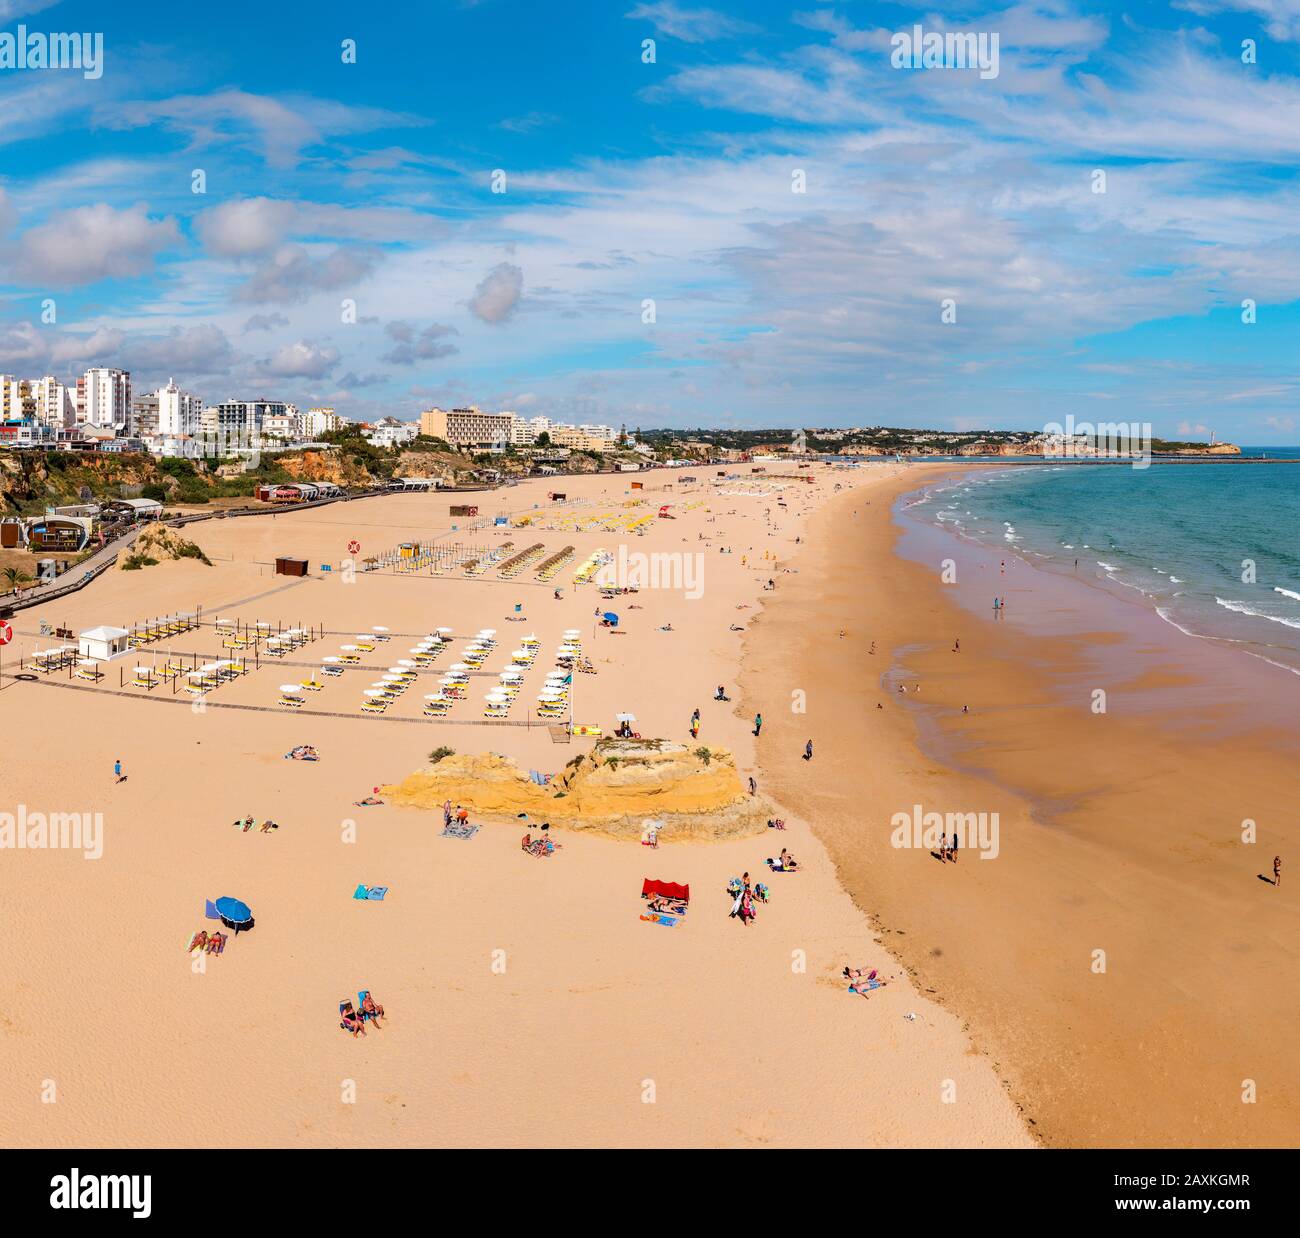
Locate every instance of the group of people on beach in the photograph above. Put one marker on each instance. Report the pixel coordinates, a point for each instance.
(354, 1021)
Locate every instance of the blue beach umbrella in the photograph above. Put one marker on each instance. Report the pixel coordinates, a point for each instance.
(611, 616)
(234, 914)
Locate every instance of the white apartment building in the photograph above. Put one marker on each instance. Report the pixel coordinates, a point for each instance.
(16, 400)
(389, 432)
(104, 399)
(317, 421)
(244, 419)
(286, 426)
(525, 432)
(179, 412)
(56, 404)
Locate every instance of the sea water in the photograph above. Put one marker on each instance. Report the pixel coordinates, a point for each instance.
(1214, 548)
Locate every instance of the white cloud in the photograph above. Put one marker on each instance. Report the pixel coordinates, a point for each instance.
(305, 359)
(89, 243)
(689, 25)
(498, 293)
(293, 274)
(245, 226)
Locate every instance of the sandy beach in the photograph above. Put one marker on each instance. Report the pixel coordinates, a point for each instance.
(527, 1003)
(1124, 962)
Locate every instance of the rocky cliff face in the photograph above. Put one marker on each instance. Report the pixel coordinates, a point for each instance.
(162, 544)
(30, 480)
(615, 789)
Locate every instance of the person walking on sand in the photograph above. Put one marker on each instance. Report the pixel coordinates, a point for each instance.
(1277, 870)
(953, 852)
(753, 786)
(807, 751)
(956, 645)
(118, 776)
(758, 724)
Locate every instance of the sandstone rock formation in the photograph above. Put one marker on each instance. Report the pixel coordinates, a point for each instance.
(615, 789)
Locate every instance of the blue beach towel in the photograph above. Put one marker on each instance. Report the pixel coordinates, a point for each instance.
(377, 893)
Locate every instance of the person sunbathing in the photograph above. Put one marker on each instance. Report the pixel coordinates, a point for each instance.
(787, 861)
(199, 941)
(350, 1021)
(859, 973)
(370, 1011)
(268, 826)
(216, 943)
(247, 823)
(369, 800)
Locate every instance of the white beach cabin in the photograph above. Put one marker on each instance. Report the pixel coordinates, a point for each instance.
(104, 644)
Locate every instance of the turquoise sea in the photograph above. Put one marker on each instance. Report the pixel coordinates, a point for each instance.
(1214, 548)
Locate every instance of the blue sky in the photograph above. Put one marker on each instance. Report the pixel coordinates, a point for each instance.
(672, 182)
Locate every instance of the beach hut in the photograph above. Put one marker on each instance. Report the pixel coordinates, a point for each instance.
(103, 644)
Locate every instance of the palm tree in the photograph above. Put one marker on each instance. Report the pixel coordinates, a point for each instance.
(15, 576)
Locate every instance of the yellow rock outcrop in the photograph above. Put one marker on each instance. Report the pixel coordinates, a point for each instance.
(615, 789)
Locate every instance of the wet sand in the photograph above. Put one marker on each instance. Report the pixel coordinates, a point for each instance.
(1122, 963)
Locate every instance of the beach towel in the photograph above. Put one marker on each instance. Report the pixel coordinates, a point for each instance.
(657, 917)
(361, 892)
(377, 893)
(210, 910)
(454, 829)
(864, 987)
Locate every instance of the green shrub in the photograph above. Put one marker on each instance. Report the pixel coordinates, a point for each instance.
(439, 753)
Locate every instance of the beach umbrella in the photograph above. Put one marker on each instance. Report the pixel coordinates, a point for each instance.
(434, 696)
(373, 692)
(392, 678)
(331, 658)
(291, 689)
(611, 616)
(487, 631)
(379, 628)
(625, 717)
(447, 631)
(458, 666)
(234, 913)
(405, 662)
(348, 648)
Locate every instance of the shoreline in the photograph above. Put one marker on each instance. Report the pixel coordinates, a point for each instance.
(1098, 853)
